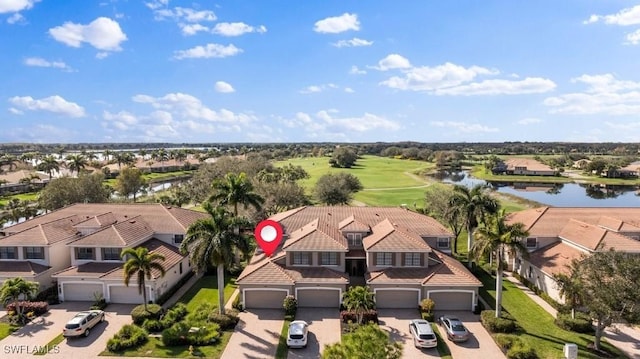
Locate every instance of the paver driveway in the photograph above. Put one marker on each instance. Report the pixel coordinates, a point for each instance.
(396, 322)
(479, 345)
(41, 331)
(256, 335)
(324, 328)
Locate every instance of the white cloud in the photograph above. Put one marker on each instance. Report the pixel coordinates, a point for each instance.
(355, 42)
(102, 33)
(633, 38)
(102, 55)
(156, 4)
(16, 5)
(327, 123)
(15, 18)
(348, 90)
(500, 87)
(207, 51)
(224, 87)
(604, 95)
(40, 62)
(55, 104)
(184, 14)
(317, 88)
(236, 29)
(15, 111)
(122, 120)
(427, 78)
(192, 29)
(337, 24)
(529, 121)
(354, 70)
(392, 61)
(625, 17)
(463, 127)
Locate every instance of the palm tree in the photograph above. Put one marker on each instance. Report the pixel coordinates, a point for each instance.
(570, 287)
(15, 289)
(76, 162)
(474, 204)
(106, 154)
(236, 189)
(358, 299)
(8, 159)
(495, 237)
(49, 164)
(213, 240)
(142, 263)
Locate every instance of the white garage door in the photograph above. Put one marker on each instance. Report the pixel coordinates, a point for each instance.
(452, 300)
(80, 291)
(264, 299)
(318, 298)
(124, 294)
(397, 298)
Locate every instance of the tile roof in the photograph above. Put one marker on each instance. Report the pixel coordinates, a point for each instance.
(21, 268)
(98, 221)
(89, 270)
(316, 236)
(530, 164)
(583, 234)
(120, 234)
(316, 275)
(351, 224)
(44, 233)
(555, 258)
(264, 270)
(388, 237)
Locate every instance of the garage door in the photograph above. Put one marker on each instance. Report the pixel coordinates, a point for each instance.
(272, 299)
(397, 299)
(452, 300)
(80, 291)
(124, 294)
(318, 298)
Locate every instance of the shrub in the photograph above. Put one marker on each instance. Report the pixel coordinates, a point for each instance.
(139, 314)
(505, 324)
(201, 314)
(369, 316)
(206, 335)
(129, 336)
(290, 305)
(430, 317)
(49, 295)
(225, 321)
(237, 305)
(581, 324)
(506, 341)
(176, 334)
(169, 318)
(427, 305)
(520, 350)
(153, 325)
(98, 301)
(38, 308)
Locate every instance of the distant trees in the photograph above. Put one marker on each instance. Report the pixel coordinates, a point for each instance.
(129, 182)
(64, 191)
(337, 189)
(343, 157)
(49, 164)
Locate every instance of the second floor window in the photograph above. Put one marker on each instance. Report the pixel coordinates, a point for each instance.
(443, 242)
(532, 243)
(110, 254)
(178, 238)
(412, 259)
(355, 239)
(301, 258)
(384, 259)
(8, 253)
(33, 253)
(329, 259)
(85, 253)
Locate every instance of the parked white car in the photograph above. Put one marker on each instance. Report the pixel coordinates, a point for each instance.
(422, 333)
(297, 334)
(82, 323)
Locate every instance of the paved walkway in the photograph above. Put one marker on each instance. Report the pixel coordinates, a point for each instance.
(624, 337)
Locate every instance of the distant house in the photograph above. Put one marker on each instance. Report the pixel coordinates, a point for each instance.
(558, 235)
(632, 170)
(22, 181)
(581, 164)
(528, 167)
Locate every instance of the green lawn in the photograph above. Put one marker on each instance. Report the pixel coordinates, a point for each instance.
(539, 330)
(51, 345)
(206, 290)
(282, 351)
(6, 329)
(31, 196)
(443, 347)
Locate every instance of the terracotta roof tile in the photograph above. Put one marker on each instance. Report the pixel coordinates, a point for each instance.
(316, 275)
(555, 258)
(530, 164)
(98, 221)
(619, 242)
(351, 224)
(610, 223)
(89, 270)
(21, 268)
(388, 237)
(263, 270)
(398, 275)
(316, 236)
(584, 234)
(44, 233)
(120, 234)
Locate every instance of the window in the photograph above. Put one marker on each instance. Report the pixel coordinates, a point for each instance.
(8, 253)
(412, 259)
(111, 254)
(329, 259)
(33, 253)
(178, 238)
(85, 253)
(180, 267)
(532, 243)
(443, 242)
(384, 259)
(301, 258)
(355, 239)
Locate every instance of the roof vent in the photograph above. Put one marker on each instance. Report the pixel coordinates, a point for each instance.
(132, 221)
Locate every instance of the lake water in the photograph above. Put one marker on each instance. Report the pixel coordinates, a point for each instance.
(557, 195)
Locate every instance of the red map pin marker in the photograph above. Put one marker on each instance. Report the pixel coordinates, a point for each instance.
(268, 235)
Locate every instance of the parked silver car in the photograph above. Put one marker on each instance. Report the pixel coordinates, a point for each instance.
(456, 331)
(423, 335)
(82, 323)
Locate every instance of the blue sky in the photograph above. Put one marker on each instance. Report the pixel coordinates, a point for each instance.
(312, 71)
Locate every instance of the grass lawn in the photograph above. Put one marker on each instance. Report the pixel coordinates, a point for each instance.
(282, 351)
(443, 347)
(31, 196)
(6, 329)
(539, 330)
(206, 290)
(55, 341)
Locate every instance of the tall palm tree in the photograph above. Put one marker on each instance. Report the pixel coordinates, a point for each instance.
(76, 162)
(571, 287)
(236, 189)
(141, 263)
(358, 299)
(160, 155)
(494, 237)
(49, 164)
(106, 154)
(15, 289)
(474, 203)
(212, 241)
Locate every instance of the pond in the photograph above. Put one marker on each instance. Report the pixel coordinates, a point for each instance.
(556, 194)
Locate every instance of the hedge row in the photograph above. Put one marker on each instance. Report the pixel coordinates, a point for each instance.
(505, 324)
(129, 336)
(37, 308)
(350, 316)
(514, 347)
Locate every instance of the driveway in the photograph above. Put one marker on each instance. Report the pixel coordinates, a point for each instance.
(41, 331)
(256, 335)
(625, 338)
(396, 322)
(324, 329)
(479, 345)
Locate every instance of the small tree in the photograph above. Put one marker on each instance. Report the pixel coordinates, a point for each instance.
(359, 299)
(130, 182)
(344, 157)
(290, 305)
(337, 189)
(570, 287)
(366, 342)
(14, 289)
(141, 263)
(427, 305)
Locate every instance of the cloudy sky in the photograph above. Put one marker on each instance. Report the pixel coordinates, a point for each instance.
(311, 71)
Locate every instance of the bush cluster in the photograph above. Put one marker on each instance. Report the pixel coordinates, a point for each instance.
(129, 336)
(182, 334)
(225, 321)
(581, 324)
(290, 305)
(139, 314)
(200, 315)
(172, 316)
(504, 324)
(37, 308)
(350, 316)
(514, 347)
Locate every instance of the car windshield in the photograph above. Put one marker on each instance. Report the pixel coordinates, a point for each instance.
(458, 327)
(296, 336)
(427, 336)
(72, 326)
